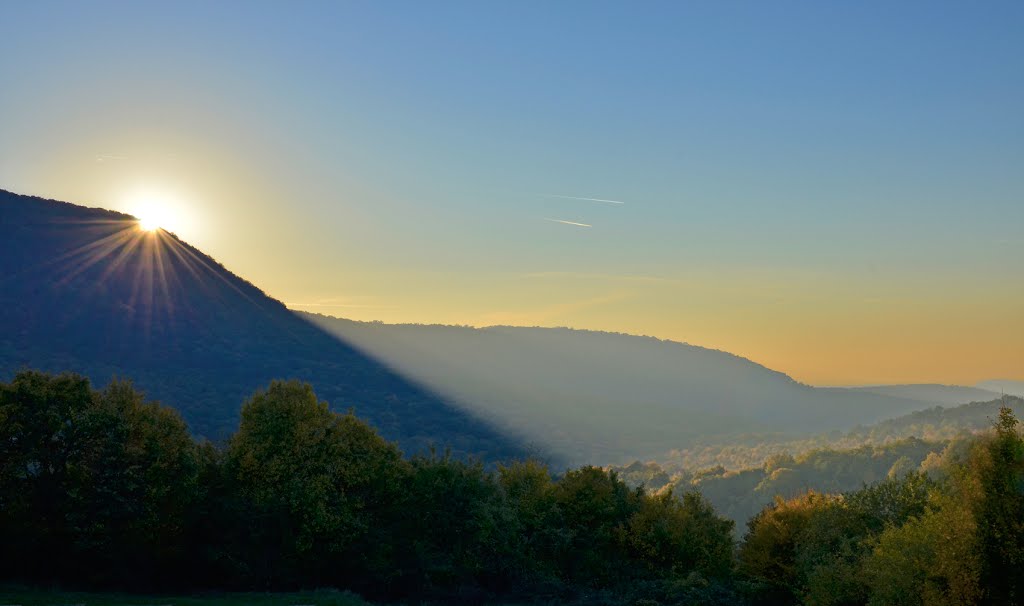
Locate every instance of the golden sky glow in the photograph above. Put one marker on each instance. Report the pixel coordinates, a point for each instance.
(847, 213)
(818, 329)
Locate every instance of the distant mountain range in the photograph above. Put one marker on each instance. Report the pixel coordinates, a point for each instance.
(84, 290)
(944, 395)
(1004, 386)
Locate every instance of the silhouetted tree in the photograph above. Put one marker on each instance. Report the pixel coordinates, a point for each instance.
(133, 481)
(39, 433)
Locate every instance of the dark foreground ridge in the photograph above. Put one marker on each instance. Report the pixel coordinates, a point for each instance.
(83, 289)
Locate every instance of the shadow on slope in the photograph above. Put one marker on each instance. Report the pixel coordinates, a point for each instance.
(85, 290)
(605, 397)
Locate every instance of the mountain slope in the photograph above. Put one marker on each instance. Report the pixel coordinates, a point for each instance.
(85, 290)
(593, 396)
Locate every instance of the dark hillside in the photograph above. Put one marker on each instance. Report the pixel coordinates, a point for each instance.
(85, 290)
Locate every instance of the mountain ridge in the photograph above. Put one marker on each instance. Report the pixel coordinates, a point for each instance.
(85, 290)
(646, 393)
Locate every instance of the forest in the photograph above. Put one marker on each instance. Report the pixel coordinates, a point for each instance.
(743, 475)
(102, 489)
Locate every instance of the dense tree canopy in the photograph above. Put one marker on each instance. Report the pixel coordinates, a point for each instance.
(104, 489)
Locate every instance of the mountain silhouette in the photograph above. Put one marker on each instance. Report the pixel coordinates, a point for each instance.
(606, 397)
(85, 290)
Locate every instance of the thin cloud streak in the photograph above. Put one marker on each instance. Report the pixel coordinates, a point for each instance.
(586, 199)
(573, 275)
(564, 222)
(105, 157)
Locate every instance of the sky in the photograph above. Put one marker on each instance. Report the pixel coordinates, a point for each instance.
(834, 190)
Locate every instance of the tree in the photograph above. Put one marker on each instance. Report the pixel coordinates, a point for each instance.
(539, 535)
(596, 507)
(771, 548)
(133, 483)
(314, 487)
(931, 560)
(39, 416)
(670, 535)
(999, 465)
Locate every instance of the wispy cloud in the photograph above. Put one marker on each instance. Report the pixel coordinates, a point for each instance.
(602, 200)
(564, 222)
(107, 157)
(573, 275)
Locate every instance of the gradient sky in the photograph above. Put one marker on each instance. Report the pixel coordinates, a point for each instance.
(835, 190)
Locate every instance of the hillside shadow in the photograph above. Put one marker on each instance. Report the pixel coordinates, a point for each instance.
(86, 290)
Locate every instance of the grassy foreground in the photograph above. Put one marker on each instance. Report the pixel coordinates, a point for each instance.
(26, 597)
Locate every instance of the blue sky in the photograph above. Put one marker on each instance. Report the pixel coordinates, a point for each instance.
(401, 158)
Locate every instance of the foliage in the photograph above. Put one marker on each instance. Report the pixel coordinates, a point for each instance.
(999, 467)
(94, 484)
(102, 489)
(105, 490)
(938, 425)
(936, 539)
(313, 483)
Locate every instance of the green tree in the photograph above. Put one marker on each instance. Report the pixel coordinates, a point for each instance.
(539, 534)
(999, 466)
(670, 535)
(314, 487)
(457, 531)
(133, 482)
(596, 507)
(931, 560)
(770, 552)
(39, 416)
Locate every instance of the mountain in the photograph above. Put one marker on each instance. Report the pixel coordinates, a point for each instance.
(944, 395)
(85, 290)
(1013, 388)
(604, 397)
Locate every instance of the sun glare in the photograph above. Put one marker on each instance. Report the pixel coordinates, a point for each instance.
(156, 212)
(148, 224)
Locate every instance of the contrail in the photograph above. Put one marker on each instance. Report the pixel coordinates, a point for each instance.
(564, 222)
(587, 199)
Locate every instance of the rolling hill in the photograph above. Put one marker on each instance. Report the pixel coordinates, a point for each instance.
(601, 397)
(84, 290)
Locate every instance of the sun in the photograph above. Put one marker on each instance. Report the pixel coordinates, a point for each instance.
(152, 216)
(155, 212)
(147, 223)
